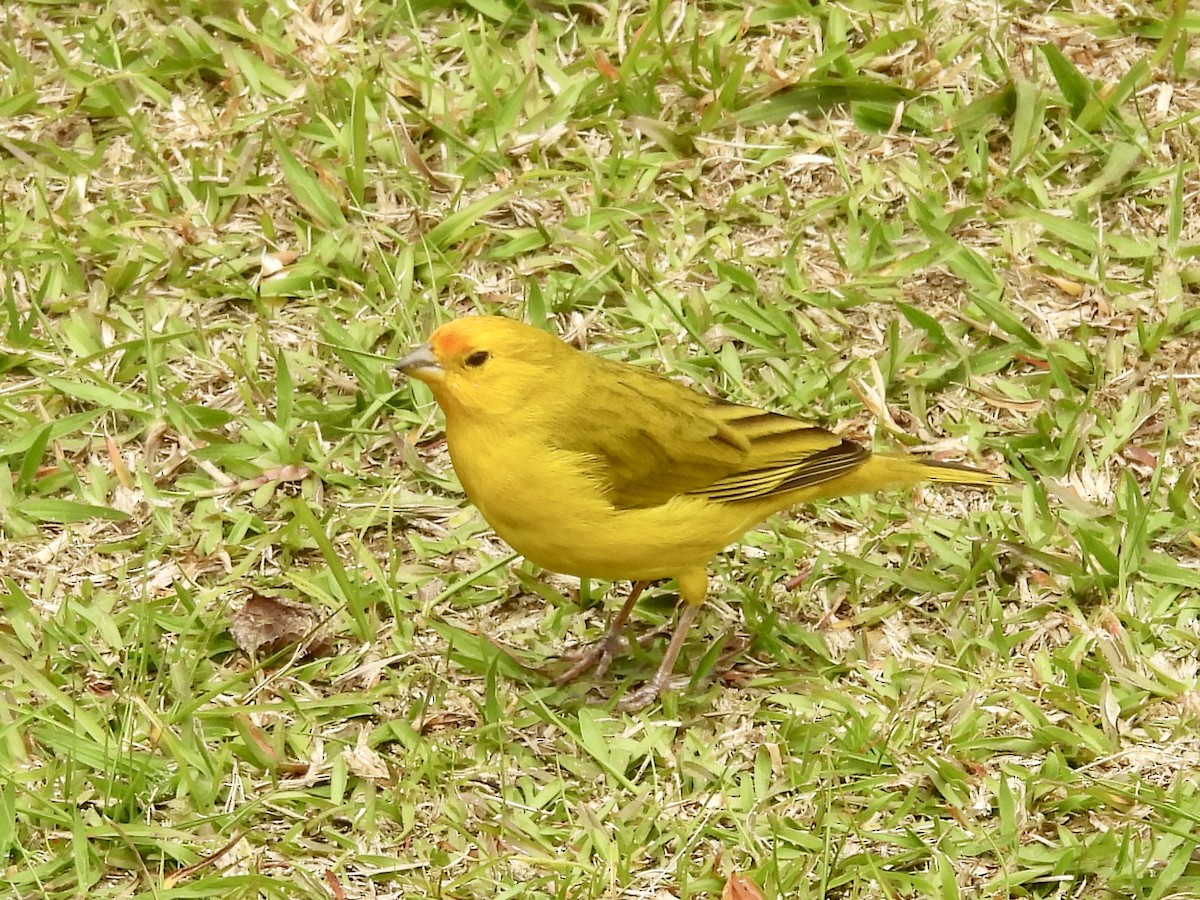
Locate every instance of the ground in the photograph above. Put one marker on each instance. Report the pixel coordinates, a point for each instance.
(255, 642)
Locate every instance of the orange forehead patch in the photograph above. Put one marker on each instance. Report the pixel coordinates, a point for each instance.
(449, 341)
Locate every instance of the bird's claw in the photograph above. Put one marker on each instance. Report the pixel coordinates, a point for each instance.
(599, 657)
(601, 654)
(643, 696)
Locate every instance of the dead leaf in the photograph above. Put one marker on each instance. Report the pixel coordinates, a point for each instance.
(741, 887)
(281, 474)
(117, 463)
(1027, 406)
(335, 886)
(1068, 286)
(1141, 456)
(1032, 361)
(802, 572)
(414, 158)
(1041, 579)
(1110, 709)
(273, 263)
(244, 851)
(270, 624)
(606, 68)
(873, 397)
(364, 762)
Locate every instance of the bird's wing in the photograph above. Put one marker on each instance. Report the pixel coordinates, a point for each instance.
(785, 455)
(652, 439)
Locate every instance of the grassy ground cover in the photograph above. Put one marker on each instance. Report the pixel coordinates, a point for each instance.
(964, 229)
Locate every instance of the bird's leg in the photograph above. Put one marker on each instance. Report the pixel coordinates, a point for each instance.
(693, 585)
(647, 693)
(601, 653)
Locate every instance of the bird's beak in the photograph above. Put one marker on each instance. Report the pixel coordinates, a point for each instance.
(420, 363)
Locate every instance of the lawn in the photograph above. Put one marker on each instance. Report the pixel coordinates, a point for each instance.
(256, 643)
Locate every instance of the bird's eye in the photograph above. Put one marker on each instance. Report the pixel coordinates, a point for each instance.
(477, 359)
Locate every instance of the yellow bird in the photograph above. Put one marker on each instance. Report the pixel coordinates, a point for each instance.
(602, 469)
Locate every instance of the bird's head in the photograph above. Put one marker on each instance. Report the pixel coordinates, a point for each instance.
(487, 366)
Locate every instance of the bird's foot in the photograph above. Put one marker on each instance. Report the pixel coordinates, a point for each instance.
(598, 657)
(645, 695)
(601, 654)
(649, 691)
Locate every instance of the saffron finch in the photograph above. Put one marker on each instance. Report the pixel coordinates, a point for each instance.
(602, 469)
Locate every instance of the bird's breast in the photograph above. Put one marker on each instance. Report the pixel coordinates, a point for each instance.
(553, 507)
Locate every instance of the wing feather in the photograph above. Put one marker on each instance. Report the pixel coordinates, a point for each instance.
(684, 442)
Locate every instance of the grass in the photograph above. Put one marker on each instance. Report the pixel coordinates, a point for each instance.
(959, 229)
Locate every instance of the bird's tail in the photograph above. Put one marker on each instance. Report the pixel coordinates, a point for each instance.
(897, 470)
(889, 471)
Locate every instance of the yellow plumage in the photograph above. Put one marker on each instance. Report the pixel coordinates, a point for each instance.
(602, 469)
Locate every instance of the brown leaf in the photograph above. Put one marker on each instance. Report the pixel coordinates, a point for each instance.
(1041, 578)
(42, 472)
(1141, 456)
(118, 464)
(274, 263)
(1031, 361)
(1068, 286)
(269, 624)
(606, 68)
(364, 762)
(414, 158)
(741, 887)
(335, 886)
(1011, 405)
(797, 580)
(283, 473)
